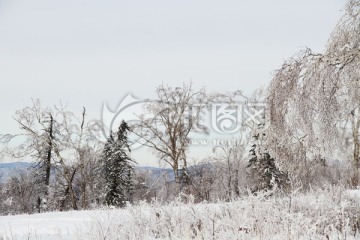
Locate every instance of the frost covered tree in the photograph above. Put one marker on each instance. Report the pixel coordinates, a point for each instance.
(168, 121)
(229, 161)
(59, 144)
(118, 168)
(73, 157)
(76, 139)
(262, 170)
(37, 131)
(20, 194)
(314, 101)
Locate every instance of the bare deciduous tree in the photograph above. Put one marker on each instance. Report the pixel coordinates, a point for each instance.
(230, 161)
(168, 122)
(59, 143)
(72, 149)
(37, 135)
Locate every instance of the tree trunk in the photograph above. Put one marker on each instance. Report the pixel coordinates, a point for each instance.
(69, 191)
(82, 163)
(48, 157)
(236, 183)
(84, 196)
(177, 177)
(69, 178)
(229, 190)
(356, 150)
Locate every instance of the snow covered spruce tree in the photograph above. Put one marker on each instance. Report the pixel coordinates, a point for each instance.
(262, 170)
(118, 168)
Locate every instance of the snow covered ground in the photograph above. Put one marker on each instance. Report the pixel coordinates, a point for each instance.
(332, 213)
(52, 225)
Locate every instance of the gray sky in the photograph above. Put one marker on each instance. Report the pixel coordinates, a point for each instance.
(89, 52)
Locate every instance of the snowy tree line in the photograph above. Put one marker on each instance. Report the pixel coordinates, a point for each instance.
(310, 137)
(72, 169)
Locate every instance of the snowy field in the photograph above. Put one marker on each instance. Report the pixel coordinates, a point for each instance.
(324, 214)
(53, 225)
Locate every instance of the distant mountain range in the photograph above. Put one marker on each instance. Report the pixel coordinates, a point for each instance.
(13, 169)
(10, 169)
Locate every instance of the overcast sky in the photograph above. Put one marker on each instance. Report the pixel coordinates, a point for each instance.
(89, 52)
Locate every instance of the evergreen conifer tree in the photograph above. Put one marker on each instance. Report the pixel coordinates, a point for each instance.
(262, 169)
(118, 168)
